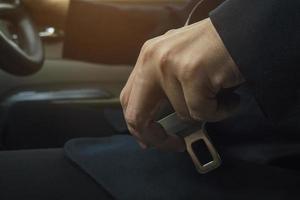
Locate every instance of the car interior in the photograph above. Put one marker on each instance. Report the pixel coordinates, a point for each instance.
(71, 59)
(86, 51)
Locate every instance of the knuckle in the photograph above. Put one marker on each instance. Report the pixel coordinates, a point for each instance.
(164, 61)
(123, 98)
(157, 52)
(148, 55)
(190, 70)
(148, 50)
(147, 44)
(218, 81)
(170, 31)
(164, 57)
(132, 120)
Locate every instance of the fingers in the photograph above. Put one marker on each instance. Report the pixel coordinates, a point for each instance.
(140, 119)
(188, 69)
(126, 91)
(156, 136)
(143, 102)
(124, 99)
(140, 101)
(204, 104)
(174, 93)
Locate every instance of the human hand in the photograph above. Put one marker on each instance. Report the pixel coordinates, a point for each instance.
(188, 66)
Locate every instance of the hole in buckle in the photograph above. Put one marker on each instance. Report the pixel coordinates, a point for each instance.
(213, 159)
(201, 151)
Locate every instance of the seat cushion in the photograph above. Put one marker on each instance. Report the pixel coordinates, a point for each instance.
(251, 149)
(126, 171)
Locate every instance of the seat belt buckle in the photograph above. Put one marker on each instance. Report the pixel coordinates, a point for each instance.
(201, 167)
(194, 134)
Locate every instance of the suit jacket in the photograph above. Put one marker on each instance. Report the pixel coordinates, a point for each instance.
(263, 37)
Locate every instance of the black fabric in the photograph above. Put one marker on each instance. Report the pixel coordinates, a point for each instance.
(263, 37)
(257, 162)
(45, 174)
(128, 173)
(35, 125)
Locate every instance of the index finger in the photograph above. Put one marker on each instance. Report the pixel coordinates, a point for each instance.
(143, 101)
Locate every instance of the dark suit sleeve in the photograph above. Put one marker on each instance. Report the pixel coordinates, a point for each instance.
(263, 38)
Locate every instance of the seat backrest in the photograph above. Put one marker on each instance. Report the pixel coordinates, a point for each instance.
(113, 32)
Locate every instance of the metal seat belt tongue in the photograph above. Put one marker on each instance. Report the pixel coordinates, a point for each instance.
(192, 132)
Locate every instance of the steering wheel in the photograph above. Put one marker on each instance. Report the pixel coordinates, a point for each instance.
(25, 56)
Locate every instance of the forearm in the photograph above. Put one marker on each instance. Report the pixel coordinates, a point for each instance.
(263, 38)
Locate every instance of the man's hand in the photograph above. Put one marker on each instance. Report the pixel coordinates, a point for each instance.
(187, 66)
